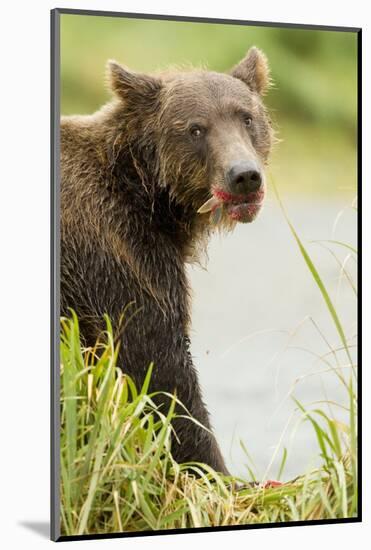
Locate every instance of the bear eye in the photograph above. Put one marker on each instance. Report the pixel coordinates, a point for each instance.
(247, 120)
(196, 131)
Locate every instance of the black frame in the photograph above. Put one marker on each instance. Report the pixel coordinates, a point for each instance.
(55, 269)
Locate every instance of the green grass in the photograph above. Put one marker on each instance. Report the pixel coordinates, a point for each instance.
(118, 474)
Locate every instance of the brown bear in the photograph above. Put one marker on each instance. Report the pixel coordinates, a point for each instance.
(144, 181)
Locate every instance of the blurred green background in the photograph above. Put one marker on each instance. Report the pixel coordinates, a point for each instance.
(313, 102)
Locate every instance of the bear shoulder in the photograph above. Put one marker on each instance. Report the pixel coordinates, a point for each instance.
(82, 145)
(77, 130)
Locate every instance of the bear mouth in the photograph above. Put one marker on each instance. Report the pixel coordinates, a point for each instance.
(239, 208)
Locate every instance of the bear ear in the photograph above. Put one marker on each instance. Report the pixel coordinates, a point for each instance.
(130, 85)
(253, 70)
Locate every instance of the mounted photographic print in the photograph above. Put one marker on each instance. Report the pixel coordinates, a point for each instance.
(205, 208)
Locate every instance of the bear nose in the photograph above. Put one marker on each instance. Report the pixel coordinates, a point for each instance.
(244, 177)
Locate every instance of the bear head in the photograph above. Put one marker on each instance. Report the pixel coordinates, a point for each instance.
(207, 134)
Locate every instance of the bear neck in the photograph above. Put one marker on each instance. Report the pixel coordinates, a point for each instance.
(158, 211)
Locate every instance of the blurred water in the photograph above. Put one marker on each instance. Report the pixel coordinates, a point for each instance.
(253, 334)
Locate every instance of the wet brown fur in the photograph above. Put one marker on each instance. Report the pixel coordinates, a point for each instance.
(131, 183)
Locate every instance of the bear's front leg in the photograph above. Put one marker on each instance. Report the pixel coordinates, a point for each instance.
(161, 340)
(196, 444)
